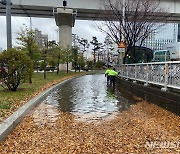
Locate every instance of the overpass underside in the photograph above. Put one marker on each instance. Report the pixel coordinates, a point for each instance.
(47, 12)
(82, 14)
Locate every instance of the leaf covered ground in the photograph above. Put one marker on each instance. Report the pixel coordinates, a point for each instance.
(126, 133)
(11, 101)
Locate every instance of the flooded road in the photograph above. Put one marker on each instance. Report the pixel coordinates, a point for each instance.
(87, 97)
(84, 116)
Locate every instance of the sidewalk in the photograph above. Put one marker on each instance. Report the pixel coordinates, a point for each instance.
(132, 131)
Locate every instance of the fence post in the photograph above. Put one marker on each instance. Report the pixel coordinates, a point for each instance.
(135, 69)
(147, 75)
(166, 77)
(127, 69)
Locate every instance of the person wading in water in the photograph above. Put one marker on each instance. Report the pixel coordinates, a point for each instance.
(112, 75)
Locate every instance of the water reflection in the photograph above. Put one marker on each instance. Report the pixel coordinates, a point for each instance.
(88, 97)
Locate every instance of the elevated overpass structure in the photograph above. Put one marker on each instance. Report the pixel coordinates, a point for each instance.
(76, 9)
(86, 9)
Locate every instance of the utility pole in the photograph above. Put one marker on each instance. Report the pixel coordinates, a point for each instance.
(123, 18)
(122, 47)
(8, 24)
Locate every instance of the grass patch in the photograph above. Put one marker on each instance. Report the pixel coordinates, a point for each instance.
(5, 105)
(10, 100)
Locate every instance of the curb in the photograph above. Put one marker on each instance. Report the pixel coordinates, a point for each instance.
(13, 120)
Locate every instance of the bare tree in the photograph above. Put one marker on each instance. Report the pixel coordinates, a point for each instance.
(138, 21)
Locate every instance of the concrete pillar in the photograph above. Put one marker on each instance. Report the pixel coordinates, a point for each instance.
(65, 20)
(65, 36)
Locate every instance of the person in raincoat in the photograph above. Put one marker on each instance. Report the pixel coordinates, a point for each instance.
(107, 74)
(112, 75)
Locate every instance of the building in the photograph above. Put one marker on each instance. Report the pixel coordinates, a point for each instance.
(163, 35)
(41, 39)
(142, 55)
(44, 40)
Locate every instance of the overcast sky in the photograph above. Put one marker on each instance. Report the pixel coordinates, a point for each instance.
(84, 29)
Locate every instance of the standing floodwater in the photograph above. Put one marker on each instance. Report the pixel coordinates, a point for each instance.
(87, 97)
(75, 119)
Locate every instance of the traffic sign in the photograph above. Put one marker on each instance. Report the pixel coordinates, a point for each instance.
(122, 45)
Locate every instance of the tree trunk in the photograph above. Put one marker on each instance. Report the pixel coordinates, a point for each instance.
(67, 67)
(98, 55)
(94, 58)
(45, 70)
(30, 78)
(58, 66)
(44, 73)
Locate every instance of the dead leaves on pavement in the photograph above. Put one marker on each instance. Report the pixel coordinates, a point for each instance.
(127, 133)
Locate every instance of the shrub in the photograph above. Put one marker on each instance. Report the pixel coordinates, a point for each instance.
(99, 64)
(15, 66)
(89, 64)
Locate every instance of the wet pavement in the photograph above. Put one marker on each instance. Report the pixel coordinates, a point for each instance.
(86, 116)
(88, 98)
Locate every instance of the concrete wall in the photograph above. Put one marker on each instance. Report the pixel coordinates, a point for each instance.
(167, 100)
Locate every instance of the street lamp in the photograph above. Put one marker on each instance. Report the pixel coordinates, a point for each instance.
(123, 17)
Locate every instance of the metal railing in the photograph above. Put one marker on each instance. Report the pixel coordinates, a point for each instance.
(164, 74)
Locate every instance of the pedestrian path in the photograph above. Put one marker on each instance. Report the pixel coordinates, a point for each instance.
(58, 126)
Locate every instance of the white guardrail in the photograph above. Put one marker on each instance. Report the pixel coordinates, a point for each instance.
(164, 74)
